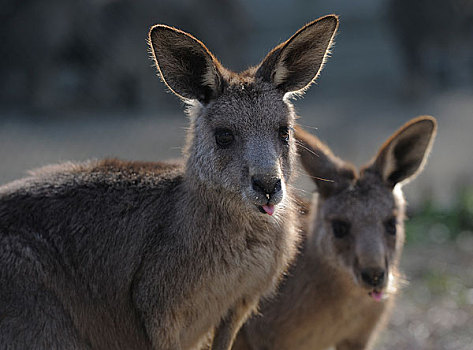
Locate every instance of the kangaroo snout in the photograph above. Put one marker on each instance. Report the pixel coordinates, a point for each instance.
(266, 191)
(268, 186)
(373, 277)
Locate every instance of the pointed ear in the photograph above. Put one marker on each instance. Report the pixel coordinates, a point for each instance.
(404, 154)
(330, 173)
(295, 64)
(185, 64)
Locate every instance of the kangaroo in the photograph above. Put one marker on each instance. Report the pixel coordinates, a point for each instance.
(112, 254)
(340, 289)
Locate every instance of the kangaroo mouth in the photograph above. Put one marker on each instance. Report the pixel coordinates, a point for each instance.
(377, 294)
(266, 209)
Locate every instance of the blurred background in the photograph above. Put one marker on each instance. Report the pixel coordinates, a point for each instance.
(76, 82)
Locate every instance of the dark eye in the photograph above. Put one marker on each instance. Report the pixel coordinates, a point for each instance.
(340, 228)
(284, 134)
(224, 137)
(390, 226)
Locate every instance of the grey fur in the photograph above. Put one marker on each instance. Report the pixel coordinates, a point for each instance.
(324, 301)
(132, 255)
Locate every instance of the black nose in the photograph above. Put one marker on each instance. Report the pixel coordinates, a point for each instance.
(266, 185)
(373, 277)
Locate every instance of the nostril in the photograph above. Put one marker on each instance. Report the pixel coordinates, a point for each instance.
(366, 277)
(373, 277)
(277, 186)
(378, 278)
(257, 185)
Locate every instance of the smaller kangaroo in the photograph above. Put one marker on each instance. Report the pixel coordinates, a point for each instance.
(340, 289)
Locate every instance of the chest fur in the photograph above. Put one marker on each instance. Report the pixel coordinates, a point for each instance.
(326, 322)
(243, 265)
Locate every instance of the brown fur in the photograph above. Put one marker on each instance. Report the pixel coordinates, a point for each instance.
(132, 255)
(324, 301)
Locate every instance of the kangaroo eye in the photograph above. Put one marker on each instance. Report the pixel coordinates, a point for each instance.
(390, 226)
(224, 137)
(340, 228)
(284, 134)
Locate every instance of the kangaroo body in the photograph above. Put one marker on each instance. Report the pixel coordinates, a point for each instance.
(340, 289)
(98, 292)
(129, 255)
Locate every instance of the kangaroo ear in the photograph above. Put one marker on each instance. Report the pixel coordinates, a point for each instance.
(185, 64)
(330, 173)
(295, 64)
(404, 154)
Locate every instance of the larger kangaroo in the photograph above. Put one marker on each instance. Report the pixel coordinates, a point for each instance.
(127, 255)
(340, 289)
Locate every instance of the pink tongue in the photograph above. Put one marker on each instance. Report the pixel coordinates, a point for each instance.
(376, 295)
(269, 209)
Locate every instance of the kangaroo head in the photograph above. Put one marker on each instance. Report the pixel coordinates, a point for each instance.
(240, 140)
(359, 217)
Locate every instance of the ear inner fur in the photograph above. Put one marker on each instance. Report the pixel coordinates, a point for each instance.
(185, 64)
(295, 64)
(404, 154)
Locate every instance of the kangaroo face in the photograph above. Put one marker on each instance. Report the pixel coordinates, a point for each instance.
(240, 140)
(244, 140)
(361, 229)
(359, 220)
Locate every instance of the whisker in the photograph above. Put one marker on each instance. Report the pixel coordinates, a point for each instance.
(320, 178)
(298, 189)
(307, 149)
(308, 126)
